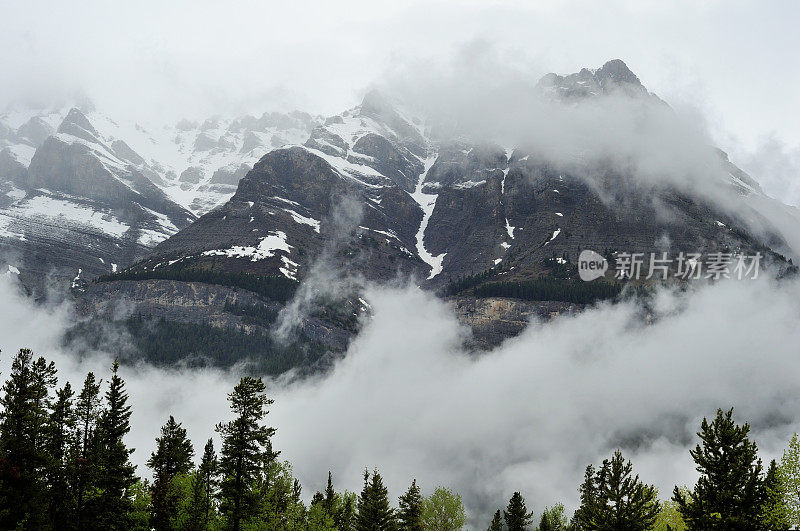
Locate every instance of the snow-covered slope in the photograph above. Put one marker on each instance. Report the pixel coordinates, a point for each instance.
(66, 171)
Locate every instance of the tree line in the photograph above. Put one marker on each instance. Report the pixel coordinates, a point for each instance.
(64, 464)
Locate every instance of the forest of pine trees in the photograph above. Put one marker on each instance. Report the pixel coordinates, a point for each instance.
(65, 464)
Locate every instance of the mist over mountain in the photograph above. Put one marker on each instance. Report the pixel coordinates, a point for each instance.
(402, 260)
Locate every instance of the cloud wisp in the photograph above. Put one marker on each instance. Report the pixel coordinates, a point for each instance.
(526, 416)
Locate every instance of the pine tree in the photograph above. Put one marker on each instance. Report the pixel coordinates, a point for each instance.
(345, 519)
(60, 469)
(775, 514)
(497, 522)
(246, 448)
(329, 500)
(114, 504)
(613, 499)
(23, 416)
(85, 448)
(516, 514)
(204, 490)
(173, 456)
(374, 512)
(410, 513)
(730, 493)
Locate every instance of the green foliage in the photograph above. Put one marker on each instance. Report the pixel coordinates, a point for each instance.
(140, 513)
(277, 288)
(497, 522)
(669, 518)
(775, 513)
(443, 511)
(165, 343)
(553, 519)
(374, 512)
(409, 515)
(550, 289)
(730, 492)
(172, 457)
(789, 473)
(246, 450)
(612, 498)
(23, 424)
(516, 515)
(114, 504)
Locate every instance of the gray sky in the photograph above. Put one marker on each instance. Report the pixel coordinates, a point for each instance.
(734, 59)
(733, 62)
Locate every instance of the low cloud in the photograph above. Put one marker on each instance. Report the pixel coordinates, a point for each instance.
(526, 416)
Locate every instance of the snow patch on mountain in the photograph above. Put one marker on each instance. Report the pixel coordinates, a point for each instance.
(427, 202)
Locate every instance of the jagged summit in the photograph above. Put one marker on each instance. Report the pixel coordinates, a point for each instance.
(613, 76)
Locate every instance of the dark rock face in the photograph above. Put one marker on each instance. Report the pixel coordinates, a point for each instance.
(400, 166)
(194, 302)
(35, 131)
(230, 174)
(297, 194)
(494, 319)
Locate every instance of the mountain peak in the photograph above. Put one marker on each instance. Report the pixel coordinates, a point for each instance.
(76, 123)
(617, 71)
(613, 76)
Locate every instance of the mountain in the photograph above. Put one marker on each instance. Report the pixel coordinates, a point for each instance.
(378, 192)
(83, 195)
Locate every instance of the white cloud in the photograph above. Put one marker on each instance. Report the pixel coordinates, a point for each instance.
(527, 416)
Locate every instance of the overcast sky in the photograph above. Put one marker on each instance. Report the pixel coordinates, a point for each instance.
(735, 61)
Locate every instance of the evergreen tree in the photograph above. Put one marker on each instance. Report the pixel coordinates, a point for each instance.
(329, 499)
(23, 414)
(246, 448)
(173, 456)
(204, 491)
(374, 512)
(497, 522)
(410, 513)
(730, 493)
(346, 515)
(775, 514)
(516, 514)
(84, 450)
(114, 504)
(60, 469)
(613, 499)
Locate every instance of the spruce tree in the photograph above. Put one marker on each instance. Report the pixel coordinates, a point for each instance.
(497, 522)
(246, 448)
(23, 415)
(60, 469)
(114, 504)
(329, 500)
(204, 490)
(84, 452)
(614, 499)
(410, 513)
(173, 456)
(374, 511)
(516, 514)
(730, 493)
